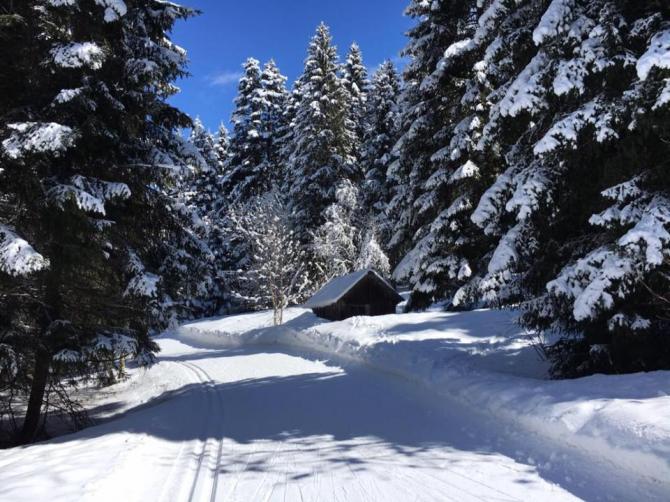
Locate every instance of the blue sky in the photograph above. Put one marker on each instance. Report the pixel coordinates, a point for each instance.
(228, 31)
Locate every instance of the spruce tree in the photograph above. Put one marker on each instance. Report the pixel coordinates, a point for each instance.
(222, 147)
(545, 107)
(255, 150)
(425, 124)
(357, 84)
(323, 137)
(247, 150)
(274, 104)
(381, 135)
(88, 232)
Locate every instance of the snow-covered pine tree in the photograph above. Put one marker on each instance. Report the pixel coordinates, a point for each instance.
(323, 135)
(204, 142)
(247, 148)
(567, 109)
(335, 243)
(255, 150)
(222, 147)
(424, 125)
(200, 195)
(274, 104)
(371, 255)
(357, 84)
(380, 137)
(472, 75)
(607, 257)
(87, 144)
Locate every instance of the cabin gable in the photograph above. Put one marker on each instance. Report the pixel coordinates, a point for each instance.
(369, 295)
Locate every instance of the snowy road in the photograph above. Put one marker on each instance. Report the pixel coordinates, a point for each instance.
(275, 424)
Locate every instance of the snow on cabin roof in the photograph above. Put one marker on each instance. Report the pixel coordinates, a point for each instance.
(334, 290)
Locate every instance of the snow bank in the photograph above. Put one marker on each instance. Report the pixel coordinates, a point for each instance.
(482, 360)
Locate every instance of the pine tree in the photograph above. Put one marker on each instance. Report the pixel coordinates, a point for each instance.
(204, 142)
(255, 150)
(381, 135)
(321, 155)
(371, 255)
(335, 243)
(424, 123)
(355, 80)
(88, 233)
(222, 147)
(548, 105)
(247, 147)
(274, 104)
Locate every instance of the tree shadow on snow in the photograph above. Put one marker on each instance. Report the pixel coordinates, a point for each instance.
(345, 418)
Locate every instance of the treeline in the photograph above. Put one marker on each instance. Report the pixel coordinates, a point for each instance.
(316, 158)
(521, 161)
(523, 164)
(534, 159)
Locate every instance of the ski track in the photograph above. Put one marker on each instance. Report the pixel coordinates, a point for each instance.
(264, 425)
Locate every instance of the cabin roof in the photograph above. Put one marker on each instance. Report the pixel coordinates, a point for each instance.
(335, 290)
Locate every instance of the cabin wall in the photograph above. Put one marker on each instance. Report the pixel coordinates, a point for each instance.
(369, 297)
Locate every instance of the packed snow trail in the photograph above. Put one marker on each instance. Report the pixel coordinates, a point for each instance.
(273, 424)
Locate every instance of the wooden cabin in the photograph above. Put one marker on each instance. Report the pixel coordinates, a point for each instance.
(364, 292)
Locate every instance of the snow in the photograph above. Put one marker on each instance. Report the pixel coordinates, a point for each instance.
(527, 92)
(142, 283)
(482, 360)
(335, 289)
(651, 231)
(89, 194)
(595, 283)
(491, 204)
(67, 95)
(664, 97)
(77, 55)
(505, 254)
(570, 75)
(458, 48)
(656, 56)
(566, 131)
(467, 170)
(555, 20)
(38, 137)
(17, 256)
(238, 410)
(114, 9)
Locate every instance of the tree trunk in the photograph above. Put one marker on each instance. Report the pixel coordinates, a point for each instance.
(34, 411)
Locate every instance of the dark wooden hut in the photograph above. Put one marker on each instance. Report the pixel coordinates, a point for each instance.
(360, 293)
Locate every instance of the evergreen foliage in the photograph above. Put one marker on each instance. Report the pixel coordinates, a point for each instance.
(94, 251)
(323, 133)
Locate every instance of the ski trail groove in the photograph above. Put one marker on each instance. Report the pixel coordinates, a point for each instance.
(205, 481)
(172, 482)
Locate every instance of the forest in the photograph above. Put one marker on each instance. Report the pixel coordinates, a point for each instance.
(520, 160)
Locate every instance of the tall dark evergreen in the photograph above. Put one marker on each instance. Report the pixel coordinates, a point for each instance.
(323, 136)
(424, 124)
(255, 150)
(381, 135)
(543, 186)
(88, 232)
(355, 79)
(247, 145)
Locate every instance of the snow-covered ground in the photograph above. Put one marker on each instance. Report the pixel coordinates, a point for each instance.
(429, 406)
